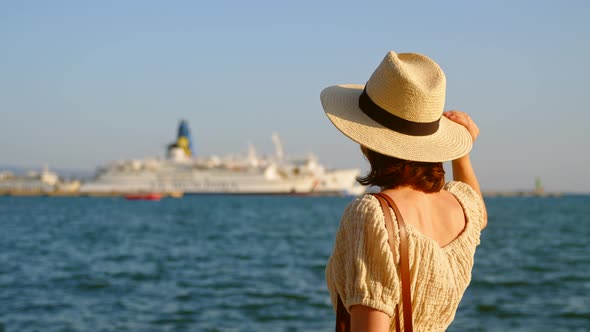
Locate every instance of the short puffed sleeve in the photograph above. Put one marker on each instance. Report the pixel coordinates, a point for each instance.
(362, 268)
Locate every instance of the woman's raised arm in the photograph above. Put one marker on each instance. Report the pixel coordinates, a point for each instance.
(462, 168)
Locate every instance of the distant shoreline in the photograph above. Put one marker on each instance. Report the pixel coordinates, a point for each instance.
(525, 194)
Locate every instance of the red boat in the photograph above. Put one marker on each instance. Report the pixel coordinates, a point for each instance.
(144, 196)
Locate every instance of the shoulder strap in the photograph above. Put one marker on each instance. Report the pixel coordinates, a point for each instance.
(404, 266)
(388, 219)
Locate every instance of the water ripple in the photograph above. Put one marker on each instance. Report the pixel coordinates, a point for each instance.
(257, 264)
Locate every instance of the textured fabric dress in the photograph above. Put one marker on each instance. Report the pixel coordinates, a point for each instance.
(363, 269)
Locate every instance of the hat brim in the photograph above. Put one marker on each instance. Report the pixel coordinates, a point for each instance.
(340, 103)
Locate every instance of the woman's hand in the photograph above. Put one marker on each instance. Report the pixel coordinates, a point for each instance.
(463, 119)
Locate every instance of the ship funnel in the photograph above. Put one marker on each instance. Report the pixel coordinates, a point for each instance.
(183, 139)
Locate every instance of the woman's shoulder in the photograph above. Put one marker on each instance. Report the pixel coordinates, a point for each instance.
(363, 211)
(469, 199)
(458, 187)
(363, 205)
(462, 191)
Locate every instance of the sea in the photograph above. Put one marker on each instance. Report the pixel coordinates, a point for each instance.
(256, 263)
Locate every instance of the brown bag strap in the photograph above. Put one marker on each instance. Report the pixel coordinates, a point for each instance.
(404, 266)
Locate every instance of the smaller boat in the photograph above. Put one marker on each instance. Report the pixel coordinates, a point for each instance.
(144, 196)
(176, 194)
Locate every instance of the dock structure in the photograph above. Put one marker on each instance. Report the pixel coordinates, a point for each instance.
(46, 183)
(538, 191)
(77, 193)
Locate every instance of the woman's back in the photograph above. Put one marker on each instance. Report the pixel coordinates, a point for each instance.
(438, 216)
(364, 270)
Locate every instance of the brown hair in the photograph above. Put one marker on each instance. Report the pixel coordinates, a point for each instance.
(390, 172)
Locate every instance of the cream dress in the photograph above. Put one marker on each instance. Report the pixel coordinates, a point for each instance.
(363, 269)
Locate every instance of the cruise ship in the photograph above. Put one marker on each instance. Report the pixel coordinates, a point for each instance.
(181, 171)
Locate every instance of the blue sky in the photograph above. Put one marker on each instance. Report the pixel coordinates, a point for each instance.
(84, 83)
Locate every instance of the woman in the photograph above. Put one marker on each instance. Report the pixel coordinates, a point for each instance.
(398, 120)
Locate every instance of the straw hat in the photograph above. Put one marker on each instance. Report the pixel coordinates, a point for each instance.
(399, 111)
